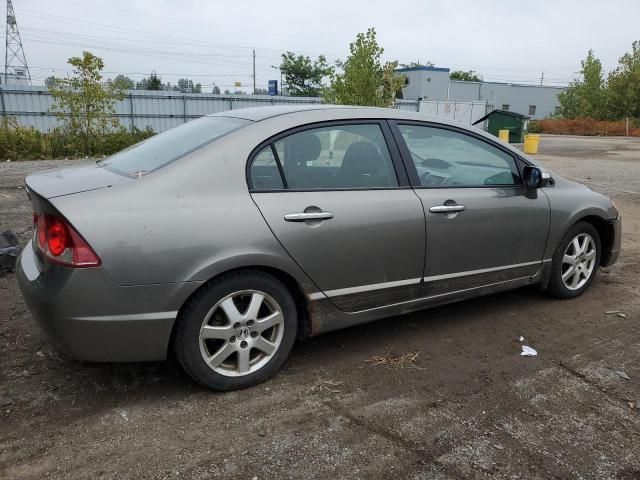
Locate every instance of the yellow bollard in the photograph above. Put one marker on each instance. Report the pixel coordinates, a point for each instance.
(503, 135)
(531, 142)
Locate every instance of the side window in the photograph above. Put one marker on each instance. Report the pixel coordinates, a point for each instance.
(265, 174)
(444, 158)
(340, 156)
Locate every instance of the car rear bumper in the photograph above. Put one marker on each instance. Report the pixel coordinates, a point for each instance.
(94, 319)
(610, 256)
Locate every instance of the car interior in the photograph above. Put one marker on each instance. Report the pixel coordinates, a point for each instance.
(360, 160)
(446, 158)
(308, 161)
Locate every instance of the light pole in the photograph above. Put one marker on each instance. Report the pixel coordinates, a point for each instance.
(281, 86)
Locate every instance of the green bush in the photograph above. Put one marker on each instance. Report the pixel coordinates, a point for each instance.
(122, 138)
(26, 143)
(20, 142)
(534, 127)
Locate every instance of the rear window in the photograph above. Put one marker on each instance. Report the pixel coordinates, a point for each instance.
(164, 148)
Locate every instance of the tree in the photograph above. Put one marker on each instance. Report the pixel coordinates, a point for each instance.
(83, 102)
(470, 76)
(49, 81)
(185, 85)
(416, 64)
(261, 91)
(153, 82)
(124, 82)
(303, 76)
(585, 97)
(623, 85)
(364, 79)
(215, 90)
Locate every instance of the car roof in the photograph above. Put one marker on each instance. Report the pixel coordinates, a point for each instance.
(257, 114)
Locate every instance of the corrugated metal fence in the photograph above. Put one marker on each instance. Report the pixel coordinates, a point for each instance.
(159, 110)
(162, 110)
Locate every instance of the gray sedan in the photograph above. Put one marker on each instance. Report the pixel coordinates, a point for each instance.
(225, 239)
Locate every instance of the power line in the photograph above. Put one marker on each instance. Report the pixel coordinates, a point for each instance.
(119, 44)
(160, 37)
(147, 73)
(177, 19)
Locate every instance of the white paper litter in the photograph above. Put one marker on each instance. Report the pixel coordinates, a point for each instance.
(623, 374)
(521, 339)
(528, 352)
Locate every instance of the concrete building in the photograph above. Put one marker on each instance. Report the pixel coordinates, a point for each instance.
(433, 83)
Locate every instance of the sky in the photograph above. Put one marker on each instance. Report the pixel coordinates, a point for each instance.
(212, 41)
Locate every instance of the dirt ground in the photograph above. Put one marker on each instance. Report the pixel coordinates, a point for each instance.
(469, 407)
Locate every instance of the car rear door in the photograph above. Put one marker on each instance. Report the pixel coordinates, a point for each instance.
(337, 198)
(483, 227)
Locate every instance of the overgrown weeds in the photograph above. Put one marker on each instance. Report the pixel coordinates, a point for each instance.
(18, 142)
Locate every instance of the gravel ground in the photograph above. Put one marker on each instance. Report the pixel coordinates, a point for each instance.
(469, 407)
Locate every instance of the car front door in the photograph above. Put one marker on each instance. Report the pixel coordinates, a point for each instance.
(483, 227)
(337, 198)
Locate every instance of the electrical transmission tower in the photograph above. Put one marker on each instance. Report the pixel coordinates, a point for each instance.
(16, 70)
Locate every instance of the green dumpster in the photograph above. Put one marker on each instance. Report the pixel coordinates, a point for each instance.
(498, 120)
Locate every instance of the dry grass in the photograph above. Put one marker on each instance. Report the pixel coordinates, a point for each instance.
(325, 386)
(390, 360)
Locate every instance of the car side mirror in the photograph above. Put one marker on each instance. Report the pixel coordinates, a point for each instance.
(533, 177)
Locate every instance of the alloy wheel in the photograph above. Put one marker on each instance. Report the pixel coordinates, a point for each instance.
(241, 333)
(579, 261)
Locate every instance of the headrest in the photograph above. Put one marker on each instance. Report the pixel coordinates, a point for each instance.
(303, 147)
(362, 158)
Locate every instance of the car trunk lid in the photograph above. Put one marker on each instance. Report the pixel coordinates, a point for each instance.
(66, 181)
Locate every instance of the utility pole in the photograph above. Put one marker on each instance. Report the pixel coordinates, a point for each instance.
(254, 71)
(541, 78)
(15, 62)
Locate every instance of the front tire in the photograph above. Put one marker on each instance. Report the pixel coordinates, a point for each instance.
(237, 331)
(575, 261)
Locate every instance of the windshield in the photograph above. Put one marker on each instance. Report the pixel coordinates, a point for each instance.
(164, 148)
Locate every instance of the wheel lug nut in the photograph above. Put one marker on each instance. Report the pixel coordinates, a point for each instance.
(254, 334)
(232, 339)
(243, 344)
(250, 323)
(236, 325)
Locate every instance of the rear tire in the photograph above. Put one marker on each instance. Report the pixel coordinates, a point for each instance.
(237, 331)
(575, 261)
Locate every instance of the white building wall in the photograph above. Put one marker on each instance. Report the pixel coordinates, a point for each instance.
(428, 83)
(518, 97)
(425, 83)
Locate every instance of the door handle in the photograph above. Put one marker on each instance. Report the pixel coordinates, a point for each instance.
(446, 208)
(303, 217)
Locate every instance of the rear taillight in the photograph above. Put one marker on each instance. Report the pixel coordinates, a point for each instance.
(60, 243)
